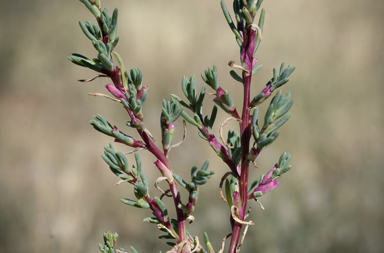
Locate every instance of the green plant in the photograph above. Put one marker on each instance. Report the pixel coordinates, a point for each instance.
(238, 151)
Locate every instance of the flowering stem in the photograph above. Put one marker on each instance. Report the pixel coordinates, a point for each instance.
(181, 217)
(247, 59)
(237, 151)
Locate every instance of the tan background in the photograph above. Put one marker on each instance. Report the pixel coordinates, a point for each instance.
(57, 195)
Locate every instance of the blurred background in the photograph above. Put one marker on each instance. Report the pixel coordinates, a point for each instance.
(57, 194)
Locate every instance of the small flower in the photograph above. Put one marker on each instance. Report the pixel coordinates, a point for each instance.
(267, 184)
(224, 100)
(114, 91)
(267, 91)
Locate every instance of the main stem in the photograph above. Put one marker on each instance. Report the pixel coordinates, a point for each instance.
(246, 132)
(245, 135)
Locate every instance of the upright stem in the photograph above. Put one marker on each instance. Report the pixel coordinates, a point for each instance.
(245, 133)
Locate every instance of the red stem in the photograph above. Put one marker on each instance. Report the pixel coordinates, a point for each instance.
(245, 135)
(217, 145)
(181, 216)
(151, 147)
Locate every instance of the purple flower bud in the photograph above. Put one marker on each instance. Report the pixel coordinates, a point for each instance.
(114, 91)
(140, 93)
(267, 91)
(254, 61)
(267, 184)
(224, 100)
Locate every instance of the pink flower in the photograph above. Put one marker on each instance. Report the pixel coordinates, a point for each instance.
(267, 91)
(116, 92)
(267, 183)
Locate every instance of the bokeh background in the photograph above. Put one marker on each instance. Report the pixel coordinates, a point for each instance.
(57, 195)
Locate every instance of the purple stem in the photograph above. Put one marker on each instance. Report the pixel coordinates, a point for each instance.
(153, 206)
(217, 146)
(151, 147)
(247, 60)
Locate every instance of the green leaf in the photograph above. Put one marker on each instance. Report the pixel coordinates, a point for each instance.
(268, 116)
(142, 203)
(230, 23)
(236, 156)
(189, 119)
(166, 237)
(281, 111)
(205, 165)
(110, 163)
(287, 72)
(94, 29)
(256, 132)
(113, 27)
(123, 137)
(199, 102)
(83, 61)
(236, 76)
(213, 117)
(251, 3)
(133, 250)
(142, 188)
(247, 16)
(107, 62)
(162, 207)
(122, 69)
(281, 68)
(256, 100)
(280, 83)
(191, 89)
(279, 123)
(101, 128)
(228, 192)
(138, 161)
(259, 3)
(128, 202)
(143, 178)
(208, 243)
(210, 77)
(151, 220)
(115, 41)
(255, 70)
(261, 25)
(202, 136)
(194, 171)
(100, 47)
(92, 8)
(283, 165)
(202, 177)
(166, 139)
(86, 31)
(255, 117)
(184, 83)
(179, 180)
(268, 141)
(181, 101)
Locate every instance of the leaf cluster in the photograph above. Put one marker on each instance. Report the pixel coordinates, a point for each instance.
(109, 243)
(103, 38)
